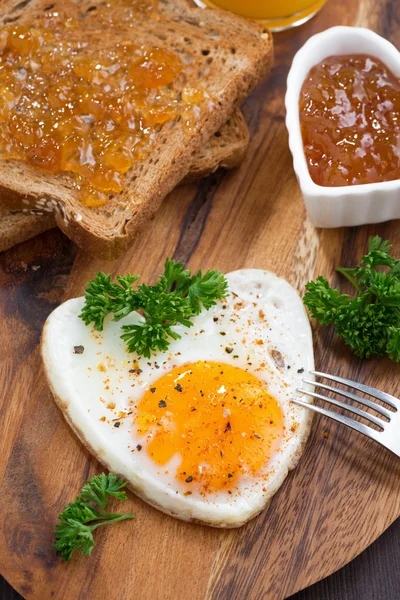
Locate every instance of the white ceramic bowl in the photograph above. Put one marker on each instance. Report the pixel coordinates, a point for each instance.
(347, 205)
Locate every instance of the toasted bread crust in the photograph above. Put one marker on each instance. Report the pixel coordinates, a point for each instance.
(19, 227)
(226, 149)
(241, 54)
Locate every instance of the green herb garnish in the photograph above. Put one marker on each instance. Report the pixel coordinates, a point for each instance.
(369, 322)
(175, 299)
(88, 512)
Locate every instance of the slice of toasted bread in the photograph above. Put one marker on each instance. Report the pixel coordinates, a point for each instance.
(17, 227)
(229, 56)
(225, 149)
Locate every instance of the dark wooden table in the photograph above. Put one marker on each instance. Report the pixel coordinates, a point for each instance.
(374, 575)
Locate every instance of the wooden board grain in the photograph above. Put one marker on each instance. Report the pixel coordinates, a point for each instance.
(344, 492)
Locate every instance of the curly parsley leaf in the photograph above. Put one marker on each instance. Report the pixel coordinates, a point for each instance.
(80, 518)
(205, 289)
(100, 487)
(393, 346)
(174, 279)
(370, 321)
(175, 299)
(103, 297)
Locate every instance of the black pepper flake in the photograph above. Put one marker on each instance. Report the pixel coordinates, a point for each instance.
(260, 405)
(153, 390)
(224, 307)
(162, 404)
(178, 387)
(117, 424)
(289, 367)
(230, 475)
(193, 409)
(221, 453)
(236, 356)
(189, 479)
(300, 370)
(79, 349)
(222, 333)
(137, 371)
(228, 427)
(257, 436)
(215, 319)
(157, 366)
(138, 447)
(228, 350)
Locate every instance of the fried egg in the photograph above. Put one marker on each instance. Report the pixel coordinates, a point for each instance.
(205, 431)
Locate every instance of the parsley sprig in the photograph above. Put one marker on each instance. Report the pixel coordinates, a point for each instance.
(174, 299)
(80, 518)
(369, 322)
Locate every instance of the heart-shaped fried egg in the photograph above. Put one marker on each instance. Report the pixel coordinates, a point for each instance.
(205, 431)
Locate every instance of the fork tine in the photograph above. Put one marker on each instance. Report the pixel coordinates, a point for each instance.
(364, 429)
(380, 409)
(391, 400)
(349, 407)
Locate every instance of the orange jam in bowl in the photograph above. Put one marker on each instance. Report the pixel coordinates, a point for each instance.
(78, 95)
(350, 121)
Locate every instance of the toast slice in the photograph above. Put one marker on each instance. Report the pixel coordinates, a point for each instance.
(17, 227)
(228, 56)
(225, 149)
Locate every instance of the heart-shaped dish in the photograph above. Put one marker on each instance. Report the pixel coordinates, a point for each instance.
(346, 205)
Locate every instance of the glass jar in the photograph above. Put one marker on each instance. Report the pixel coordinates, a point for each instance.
(275, 14)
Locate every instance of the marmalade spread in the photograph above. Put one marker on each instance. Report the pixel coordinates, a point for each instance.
(350, 121)
(69, 103)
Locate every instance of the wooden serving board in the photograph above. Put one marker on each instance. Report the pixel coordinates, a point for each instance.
(345, 491)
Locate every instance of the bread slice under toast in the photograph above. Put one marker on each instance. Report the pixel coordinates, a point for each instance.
(17, 227)
(231, 56)
(225, 149)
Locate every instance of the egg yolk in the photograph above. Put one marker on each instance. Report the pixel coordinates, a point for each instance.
(218, 418)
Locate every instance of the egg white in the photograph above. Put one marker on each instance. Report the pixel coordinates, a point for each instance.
(263, 318)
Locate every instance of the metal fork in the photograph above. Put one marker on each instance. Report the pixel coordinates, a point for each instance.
(388, 434)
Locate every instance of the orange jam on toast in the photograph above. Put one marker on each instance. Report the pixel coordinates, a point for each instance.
(78, 95)
(350, 121)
